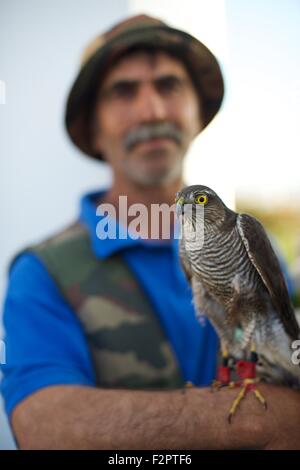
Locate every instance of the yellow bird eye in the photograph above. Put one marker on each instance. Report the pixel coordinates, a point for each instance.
(201, 199)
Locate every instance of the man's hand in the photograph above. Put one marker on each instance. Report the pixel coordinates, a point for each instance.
(76, 417)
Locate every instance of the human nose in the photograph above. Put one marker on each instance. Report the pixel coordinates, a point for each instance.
(150, 106)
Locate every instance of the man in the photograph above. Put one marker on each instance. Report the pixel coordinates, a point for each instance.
(101, 334)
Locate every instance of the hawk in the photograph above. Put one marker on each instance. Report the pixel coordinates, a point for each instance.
(237, 283)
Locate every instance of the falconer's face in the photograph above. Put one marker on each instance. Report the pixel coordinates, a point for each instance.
(146, 115)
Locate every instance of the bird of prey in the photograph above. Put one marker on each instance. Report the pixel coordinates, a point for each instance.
(238, 285)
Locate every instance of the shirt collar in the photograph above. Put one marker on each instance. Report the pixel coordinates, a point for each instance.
(107, 247)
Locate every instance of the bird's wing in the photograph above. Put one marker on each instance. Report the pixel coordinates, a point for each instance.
(265, 261)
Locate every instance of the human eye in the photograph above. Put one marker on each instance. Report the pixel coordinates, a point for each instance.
(123, 90)
(168, 84)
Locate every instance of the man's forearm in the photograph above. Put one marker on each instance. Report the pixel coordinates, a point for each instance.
(69, 417)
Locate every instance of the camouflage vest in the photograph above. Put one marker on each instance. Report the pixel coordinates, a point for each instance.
(128, 346)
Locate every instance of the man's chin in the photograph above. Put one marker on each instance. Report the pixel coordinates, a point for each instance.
(153, 167)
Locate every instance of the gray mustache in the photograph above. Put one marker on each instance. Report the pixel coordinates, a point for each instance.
(152, 131)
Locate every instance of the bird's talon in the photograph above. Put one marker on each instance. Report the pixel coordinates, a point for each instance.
(248, 385)
(232, 385)
(217, 385)
(260, 398)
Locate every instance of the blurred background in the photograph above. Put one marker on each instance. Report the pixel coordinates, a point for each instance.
(249, 154)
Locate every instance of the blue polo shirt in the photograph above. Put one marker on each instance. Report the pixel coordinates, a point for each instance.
(45, 343)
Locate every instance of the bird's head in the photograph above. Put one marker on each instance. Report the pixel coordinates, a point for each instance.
(192, 197)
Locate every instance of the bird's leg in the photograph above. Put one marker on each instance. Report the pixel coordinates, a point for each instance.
(223, 375)
(246, 370)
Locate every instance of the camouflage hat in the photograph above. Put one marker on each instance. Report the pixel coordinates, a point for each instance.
(139, 31)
